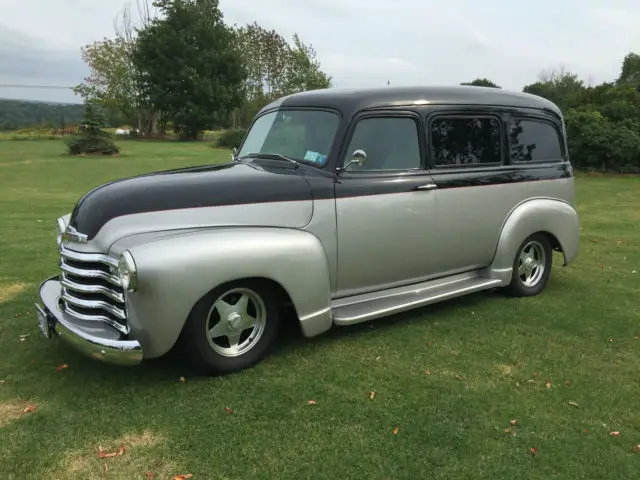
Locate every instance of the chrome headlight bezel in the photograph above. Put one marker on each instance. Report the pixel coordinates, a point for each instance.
(127, 272)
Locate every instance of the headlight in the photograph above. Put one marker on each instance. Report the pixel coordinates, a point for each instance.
(127, 271)
(60, 227)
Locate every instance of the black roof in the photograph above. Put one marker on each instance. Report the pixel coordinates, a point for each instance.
(352, 100)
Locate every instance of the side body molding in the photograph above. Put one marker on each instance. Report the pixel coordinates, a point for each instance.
(552, 216)
(176, 271)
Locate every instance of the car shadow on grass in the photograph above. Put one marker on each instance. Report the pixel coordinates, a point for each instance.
(292, 339)
(172, 366)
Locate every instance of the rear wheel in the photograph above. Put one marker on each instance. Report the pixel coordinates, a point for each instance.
(232, 327)
(531, 266)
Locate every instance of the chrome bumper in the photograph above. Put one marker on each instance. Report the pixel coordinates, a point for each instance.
(95, 339)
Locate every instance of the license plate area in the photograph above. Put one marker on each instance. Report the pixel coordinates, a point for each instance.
(45, 323)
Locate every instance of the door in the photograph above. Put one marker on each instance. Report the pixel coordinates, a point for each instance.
(476, 190)
(386, 208)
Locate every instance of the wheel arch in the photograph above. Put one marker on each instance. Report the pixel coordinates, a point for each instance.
(282, 295)
(283, 299)
(555, 243)
(175, 273)
(554, 218)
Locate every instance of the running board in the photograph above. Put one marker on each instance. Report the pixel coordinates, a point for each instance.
(369, 306)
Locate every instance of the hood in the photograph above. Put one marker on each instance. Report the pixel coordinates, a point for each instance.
(189, 188)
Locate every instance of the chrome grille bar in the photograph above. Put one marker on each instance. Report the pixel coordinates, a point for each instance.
(81, 272)
(88, 257)
(93, 304)
(77, 287)
(101, 318)
(91, 289)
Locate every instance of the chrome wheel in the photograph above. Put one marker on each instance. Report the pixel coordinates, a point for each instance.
(236, 322)
(532, 263)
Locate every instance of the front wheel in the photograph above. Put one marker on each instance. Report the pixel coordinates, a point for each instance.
(232, 327)
(531, 266)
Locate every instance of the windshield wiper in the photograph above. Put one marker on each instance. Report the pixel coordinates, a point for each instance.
(272, 156)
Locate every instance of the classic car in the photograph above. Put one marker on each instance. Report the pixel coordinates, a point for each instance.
(348, 205)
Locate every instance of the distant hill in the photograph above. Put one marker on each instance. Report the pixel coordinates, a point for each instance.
(17, 114)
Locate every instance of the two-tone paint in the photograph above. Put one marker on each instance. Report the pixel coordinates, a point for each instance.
(343, 246)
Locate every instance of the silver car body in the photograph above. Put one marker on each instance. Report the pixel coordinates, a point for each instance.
(344, 246)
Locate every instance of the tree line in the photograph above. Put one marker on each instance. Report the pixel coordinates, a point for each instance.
(17, 114)
(180, 66)
(603, 121)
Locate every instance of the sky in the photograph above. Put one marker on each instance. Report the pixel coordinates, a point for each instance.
(360, 43)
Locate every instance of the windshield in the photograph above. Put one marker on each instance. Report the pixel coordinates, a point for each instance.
(303, 135)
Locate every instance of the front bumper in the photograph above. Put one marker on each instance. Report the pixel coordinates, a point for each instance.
(94, 339)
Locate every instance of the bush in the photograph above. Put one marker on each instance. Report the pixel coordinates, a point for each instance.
(595, 143)
(91, 142)
(92, 139)
(232, 138)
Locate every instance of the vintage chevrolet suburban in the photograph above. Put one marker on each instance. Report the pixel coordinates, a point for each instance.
(347, 205)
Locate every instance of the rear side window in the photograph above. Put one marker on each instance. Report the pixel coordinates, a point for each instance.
(534, 141)
(462, 141)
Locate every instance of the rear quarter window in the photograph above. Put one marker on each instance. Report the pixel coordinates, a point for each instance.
(465, 141)
(534, 140)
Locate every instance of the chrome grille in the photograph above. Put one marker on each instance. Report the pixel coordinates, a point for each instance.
(91, 290)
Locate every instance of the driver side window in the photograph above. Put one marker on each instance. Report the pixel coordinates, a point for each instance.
(390, 143)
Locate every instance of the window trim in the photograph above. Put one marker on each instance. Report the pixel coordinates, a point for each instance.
(539, 119)
(342, 154)
(462, 115)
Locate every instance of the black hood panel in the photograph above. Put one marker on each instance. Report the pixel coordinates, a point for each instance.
(211, 186)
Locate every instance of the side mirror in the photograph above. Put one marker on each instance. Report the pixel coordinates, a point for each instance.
(359, 157)
(234, 154)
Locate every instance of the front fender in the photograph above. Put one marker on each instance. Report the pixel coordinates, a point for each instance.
(551, 216)
(175, 272)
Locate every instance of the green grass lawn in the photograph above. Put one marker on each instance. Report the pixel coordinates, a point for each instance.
(449, 378)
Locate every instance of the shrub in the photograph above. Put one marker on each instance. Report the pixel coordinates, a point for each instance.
(232, 138)
(92, 143)
(92, 139)
(595, 143)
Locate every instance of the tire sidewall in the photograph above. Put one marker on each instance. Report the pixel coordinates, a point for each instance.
(517, 287)
(195, 332)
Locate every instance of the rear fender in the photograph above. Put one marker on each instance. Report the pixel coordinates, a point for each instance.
(553, 217)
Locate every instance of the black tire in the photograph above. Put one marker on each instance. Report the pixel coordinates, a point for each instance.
(198, 347)
(519, 287)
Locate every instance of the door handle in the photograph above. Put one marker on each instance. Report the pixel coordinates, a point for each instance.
(428, 186)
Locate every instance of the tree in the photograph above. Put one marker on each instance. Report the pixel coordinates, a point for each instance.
(598, 144)
(111, 82)
(114, 78)
(189, 64)
(264, 53)
(630, 74)
(482, 82)
(303, 70)
(603, 121)
(275, 68)
(559, 86)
